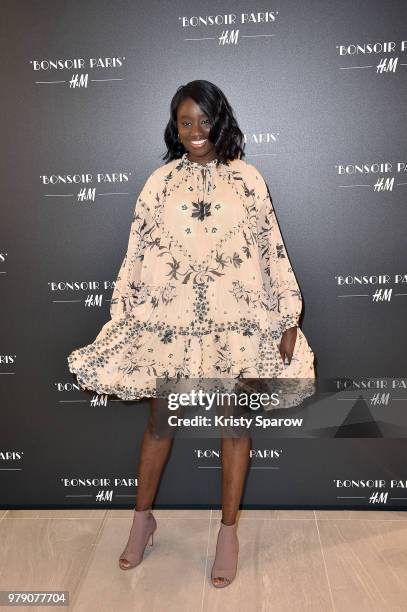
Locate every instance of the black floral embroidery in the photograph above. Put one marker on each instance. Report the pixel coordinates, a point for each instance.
(140, 293)
(252, 297)
(211, 230)
(202, 210)
(137, 349)
(201, 305)
(280, 251)
(167, 336)
(224, 363)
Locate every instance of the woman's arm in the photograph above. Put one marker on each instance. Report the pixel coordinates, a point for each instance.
(130, 269)
(276, 266)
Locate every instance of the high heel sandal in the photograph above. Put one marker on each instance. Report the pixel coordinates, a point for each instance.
(227, 548)
(144, 525)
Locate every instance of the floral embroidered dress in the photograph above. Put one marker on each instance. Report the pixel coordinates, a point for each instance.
(205, 289)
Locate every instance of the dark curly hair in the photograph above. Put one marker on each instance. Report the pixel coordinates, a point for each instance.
(225, 133)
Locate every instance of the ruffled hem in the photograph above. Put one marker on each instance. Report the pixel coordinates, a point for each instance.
(130, 357)
(117, 390)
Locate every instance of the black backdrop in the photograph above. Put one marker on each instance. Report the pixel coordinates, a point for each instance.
(319, 91)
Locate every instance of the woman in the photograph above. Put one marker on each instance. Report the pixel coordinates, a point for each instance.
(205, 290)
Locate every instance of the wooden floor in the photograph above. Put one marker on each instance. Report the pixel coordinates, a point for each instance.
(289, 560)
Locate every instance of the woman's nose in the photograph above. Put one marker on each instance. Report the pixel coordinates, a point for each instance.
(198, 132)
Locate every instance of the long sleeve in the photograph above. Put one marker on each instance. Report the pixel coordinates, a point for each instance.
(130, 269)
(277, 272)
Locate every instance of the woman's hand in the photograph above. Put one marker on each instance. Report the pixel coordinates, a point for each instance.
(287, 343)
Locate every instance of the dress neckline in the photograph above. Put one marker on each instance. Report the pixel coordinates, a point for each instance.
(192, 164)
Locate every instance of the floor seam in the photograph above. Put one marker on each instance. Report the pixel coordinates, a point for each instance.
(206, 561)
(324, 562)
(88, 563)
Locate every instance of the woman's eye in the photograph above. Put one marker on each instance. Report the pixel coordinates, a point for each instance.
(185, 123)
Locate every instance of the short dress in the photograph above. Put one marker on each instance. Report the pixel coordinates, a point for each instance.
(205, 289)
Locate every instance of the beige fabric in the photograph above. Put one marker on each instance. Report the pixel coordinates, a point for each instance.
(205, 289)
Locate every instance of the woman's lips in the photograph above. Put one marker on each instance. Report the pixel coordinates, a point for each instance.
(197, 144)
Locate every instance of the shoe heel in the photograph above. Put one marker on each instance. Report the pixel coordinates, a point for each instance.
(226, 558)
(141, 532)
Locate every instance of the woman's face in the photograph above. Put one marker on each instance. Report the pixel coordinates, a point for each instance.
(193, 128)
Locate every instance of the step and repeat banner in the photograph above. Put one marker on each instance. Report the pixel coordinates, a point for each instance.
(319, 92)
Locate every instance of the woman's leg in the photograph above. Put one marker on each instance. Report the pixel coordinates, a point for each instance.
(235, 460)
(235, 455)
(155, 447)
